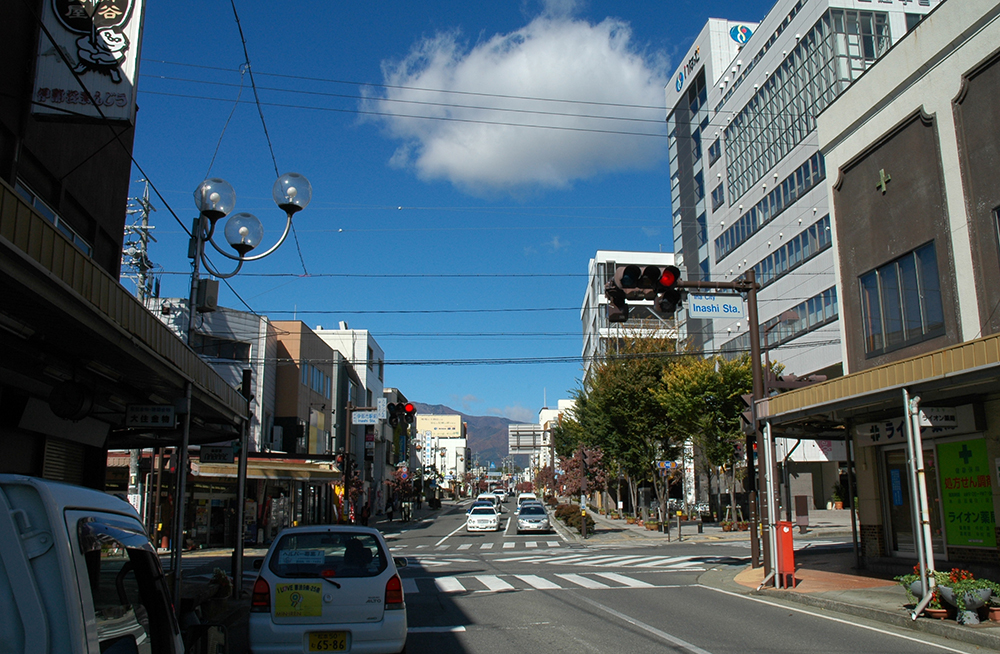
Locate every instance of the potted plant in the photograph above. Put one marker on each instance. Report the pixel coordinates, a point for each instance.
(743, 525)
(837, 497)
(914, 591)
(727, 525)
(630, 520)
(967, 594)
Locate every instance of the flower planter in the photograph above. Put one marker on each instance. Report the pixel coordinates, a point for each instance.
(936, 614)
(994, 613)
(727, 527)
(973, 599)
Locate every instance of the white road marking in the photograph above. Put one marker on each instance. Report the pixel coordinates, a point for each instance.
(410, 586)
(508, 545)
(457, 529)
(537, 582)
(493, 582)
(580, 580)
(674, 640)
(530, 544)
(449, 585)
(622, 579)
(465, 547)
(435, 630)
(486, 546)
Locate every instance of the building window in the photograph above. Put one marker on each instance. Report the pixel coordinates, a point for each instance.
(818, 311)
(901, 302)
(213, 347)
(714, 151)
(718, 197)
(371, 358)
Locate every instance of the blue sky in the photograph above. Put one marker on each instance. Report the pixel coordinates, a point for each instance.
(467, 160)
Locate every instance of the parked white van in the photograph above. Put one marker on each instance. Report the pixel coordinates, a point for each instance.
(78, 574)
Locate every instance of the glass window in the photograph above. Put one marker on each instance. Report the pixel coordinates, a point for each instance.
(901, 301)
(313, 555)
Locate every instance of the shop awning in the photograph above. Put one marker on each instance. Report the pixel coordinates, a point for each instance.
(960, 371)
(271, 469)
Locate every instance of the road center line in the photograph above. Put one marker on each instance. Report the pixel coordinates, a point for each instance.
(832, 619)
(683, 644)
(457, 529)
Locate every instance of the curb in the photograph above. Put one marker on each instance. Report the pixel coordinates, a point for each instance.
(972, 635)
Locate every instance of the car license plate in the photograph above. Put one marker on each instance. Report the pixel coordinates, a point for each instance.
(328, 641)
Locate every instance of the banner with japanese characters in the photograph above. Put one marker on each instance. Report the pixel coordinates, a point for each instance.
(89, 65)
(967, 494)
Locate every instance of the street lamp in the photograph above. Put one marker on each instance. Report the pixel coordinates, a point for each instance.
(215, 199)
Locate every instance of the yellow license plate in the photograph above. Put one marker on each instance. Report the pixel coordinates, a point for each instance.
(328, 641)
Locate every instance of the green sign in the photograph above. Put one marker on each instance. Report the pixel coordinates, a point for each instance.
(967, 494)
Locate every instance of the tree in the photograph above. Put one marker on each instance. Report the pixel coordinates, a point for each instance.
(545, 478)
(618, 414)
(702, 398)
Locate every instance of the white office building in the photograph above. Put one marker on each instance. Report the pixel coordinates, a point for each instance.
(747, 179)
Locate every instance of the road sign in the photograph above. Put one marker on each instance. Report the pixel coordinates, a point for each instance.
(666, 465)
(715, 306)
(364, 417)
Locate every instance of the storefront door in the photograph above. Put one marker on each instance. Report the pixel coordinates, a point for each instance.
(899, 504)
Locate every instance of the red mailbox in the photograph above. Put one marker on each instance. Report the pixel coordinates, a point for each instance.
(786, 555)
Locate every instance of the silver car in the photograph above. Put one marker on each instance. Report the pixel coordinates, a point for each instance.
(532, 517)
(328, 588)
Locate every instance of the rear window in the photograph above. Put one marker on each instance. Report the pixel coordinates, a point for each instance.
(532, 510)
(483, 510)
(324, 554)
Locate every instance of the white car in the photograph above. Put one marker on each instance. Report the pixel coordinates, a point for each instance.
(328, 588)
(483, 518)
(525, 496)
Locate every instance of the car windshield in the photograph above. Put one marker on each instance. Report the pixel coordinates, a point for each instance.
(326, 554)
(483, 510)
(532, 510)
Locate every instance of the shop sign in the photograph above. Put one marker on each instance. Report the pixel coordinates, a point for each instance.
(150, 416)
(688, 67)
(934, 421)
(967, 494)
(216, 454)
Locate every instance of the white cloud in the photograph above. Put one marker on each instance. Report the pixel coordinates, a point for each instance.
(458, 137)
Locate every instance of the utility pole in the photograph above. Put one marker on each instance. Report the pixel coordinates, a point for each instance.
(135, 251)
(755, 479)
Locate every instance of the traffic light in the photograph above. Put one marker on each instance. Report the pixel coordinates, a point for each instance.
(633, 282)
(400, 412)
(668, 296)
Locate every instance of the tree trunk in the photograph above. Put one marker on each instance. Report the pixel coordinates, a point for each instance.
(732, 492)
(633, 493)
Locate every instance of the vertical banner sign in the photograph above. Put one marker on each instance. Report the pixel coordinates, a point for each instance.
(100, 38)
(967, 494)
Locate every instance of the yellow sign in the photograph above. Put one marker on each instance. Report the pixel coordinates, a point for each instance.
(297, 601)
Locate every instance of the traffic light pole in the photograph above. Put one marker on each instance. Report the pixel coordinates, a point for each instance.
(755, 478)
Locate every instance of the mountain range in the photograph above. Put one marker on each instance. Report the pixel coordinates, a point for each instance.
(487, 435)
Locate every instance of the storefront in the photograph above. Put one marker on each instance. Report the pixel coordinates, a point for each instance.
(954, 396)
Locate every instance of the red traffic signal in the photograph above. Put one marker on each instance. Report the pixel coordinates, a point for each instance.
(668, 297)
(400, 412)
(409, 412)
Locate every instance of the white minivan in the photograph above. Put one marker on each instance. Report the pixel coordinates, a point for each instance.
(491, 497)
(78, 574)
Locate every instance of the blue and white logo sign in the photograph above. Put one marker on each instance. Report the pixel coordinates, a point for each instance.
(741, 34)
(715, 306)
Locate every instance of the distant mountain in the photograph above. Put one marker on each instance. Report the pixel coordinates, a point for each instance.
(487, 434)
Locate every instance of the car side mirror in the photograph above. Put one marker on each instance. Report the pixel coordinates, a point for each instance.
(400, 561)
(258, 563)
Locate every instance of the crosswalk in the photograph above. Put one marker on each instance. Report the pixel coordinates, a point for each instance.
(594, 560)
(493, 583)
(481, 547)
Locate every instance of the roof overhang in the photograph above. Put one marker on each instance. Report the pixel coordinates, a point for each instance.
(64, 318)
(950, 376)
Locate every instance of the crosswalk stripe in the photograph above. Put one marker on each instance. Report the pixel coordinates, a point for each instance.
(493, 582)
(625, 581)
(580, 580)
(537, 582)
(552, 543)
(508, 546)
(662, 562)
(465, 546)
(410, 586)
(529, 544)
(448, 585)
(486, 546)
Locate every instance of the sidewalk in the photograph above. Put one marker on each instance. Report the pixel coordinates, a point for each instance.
(825, 575)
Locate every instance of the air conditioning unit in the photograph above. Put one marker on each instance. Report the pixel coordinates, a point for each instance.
(208, 295)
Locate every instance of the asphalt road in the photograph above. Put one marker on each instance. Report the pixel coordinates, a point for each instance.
(504, 593)
(484, 593)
